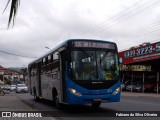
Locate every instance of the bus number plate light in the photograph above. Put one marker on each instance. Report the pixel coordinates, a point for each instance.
(97, 100)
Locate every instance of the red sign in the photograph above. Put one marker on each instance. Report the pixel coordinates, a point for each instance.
(142, 53)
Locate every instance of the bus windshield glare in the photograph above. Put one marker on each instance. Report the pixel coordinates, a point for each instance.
(94, 65)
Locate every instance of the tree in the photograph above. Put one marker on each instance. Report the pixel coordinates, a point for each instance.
(24, 71)
(13, 10)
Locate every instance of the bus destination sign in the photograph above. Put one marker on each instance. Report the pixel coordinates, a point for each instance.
(93, 44)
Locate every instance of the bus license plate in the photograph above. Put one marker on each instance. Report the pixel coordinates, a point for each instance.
(97, 100)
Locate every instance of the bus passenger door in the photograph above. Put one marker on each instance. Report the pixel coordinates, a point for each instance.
(39, 79)
(29, 82)
(63, 75)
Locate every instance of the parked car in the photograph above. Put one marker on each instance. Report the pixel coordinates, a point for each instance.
(128, 82)
(21, 88)
(129, 87)
(122, 86)
(137, 88)
(7, 87)
(149, 87)
(12, 88)
(4, 87)
(125, 84)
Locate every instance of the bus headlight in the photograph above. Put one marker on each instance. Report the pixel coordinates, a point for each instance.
(75, 92)
(116, 91)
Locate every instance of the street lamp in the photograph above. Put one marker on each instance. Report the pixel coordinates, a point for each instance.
(47, 48)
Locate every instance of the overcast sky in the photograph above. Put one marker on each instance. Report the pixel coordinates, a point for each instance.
(47, 23)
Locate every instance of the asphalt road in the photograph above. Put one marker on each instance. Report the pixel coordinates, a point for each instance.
(128, 103)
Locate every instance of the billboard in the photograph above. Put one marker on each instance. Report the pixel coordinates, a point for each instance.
(142, 53)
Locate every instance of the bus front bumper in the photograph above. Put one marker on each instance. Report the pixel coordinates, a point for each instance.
(86, 99)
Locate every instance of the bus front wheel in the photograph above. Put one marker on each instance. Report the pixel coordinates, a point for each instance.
(96, 105)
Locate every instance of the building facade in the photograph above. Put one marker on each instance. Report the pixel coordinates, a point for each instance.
(10, 77)
(140, 66)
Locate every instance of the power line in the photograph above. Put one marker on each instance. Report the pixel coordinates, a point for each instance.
(146, 30)
(127, 41)
(120, 16)
(15, 54)
(156, 40)
(113, 17)
(125, 17)
(142, 31)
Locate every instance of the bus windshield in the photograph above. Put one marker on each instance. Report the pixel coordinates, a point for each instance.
(94, 65)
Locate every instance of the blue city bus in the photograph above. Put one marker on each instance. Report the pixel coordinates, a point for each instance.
(78, 71)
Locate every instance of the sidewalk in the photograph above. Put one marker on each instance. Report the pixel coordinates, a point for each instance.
(9, 103)
(140, 94)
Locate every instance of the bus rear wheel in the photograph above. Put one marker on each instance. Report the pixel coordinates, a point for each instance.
(96, 105)
(57, 103)
(35, 96)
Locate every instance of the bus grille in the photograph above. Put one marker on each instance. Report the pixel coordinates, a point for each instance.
(88, 85)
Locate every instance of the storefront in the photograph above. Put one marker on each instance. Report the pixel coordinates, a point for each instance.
(140, 68)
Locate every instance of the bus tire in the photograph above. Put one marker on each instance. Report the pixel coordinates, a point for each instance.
(35, 96)
(96, 105)
(54, 95)
(57, 103)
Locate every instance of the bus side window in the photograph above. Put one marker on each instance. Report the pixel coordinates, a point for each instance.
(44, 60)
(55, 56)
(49, 58)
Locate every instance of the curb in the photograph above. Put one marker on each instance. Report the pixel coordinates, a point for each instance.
(140, 94)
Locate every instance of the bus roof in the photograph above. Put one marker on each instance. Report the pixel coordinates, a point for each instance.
(63, 44)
